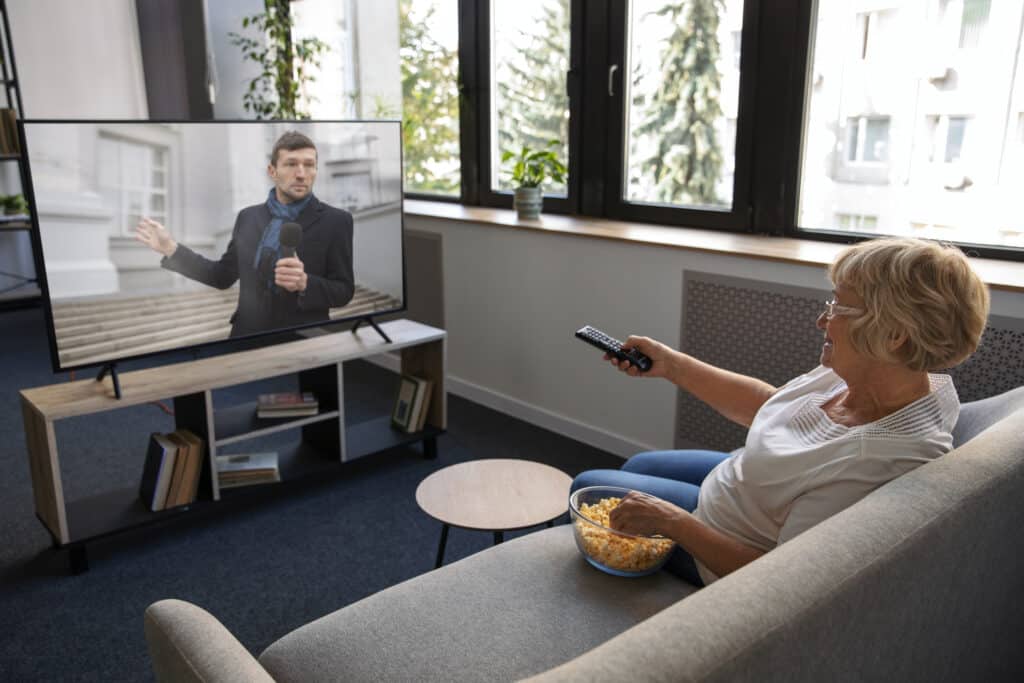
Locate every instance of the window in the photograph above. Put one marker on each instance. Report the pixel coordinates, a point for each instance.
(529, 99)
(856, 222)
(133, 181)
(952, 174)
(789, 118)
(867, 139)
(681, 92)
(973, 19)
(429, 63)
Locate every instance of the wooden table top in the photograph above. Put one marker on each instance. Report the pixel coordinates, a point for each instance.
(495, 495)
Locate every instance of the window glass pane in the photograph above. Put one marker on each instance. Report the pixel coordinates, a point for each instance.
(682, 90)
(876, 140)
(973, 19)
(955, 138)
(429, 60)
(920, 147)
(529, 101)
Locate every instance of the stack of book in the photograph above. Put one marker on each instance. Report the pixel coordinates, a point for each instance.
(287, 404)
(246, 470)
(412, 404)
(173, 466)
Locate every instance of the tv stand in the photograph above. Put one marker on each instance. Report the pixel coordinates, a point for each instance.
(112, 369)
(327, 440)
(370, 321)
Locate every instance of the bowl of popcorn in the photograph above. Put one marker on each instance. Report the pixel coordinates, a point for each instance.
(613, 551)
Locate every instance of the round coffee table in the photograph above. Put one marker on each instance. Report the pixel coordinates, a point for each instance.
(496, 495)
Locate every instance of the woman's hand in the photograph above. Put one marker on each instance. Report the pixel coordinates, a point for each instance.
(661, 357)
(643, 515)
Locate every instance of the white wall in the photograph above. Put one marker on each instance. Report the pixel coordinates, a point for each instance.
(78, 60)
(513, 299)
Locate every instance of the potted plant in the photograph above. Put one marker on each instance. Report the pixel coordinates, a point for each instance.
(14, 204)
(530, 169)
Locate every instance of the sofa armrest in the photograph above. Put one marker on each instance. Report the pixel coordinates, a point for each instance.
(187, 643)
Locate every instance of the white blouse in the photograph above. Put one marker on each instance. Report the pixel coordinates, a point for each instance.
(799, 467)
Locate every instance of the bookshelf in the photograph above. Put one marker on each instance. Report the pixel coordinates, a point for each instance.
(326, 440)
(14, 287)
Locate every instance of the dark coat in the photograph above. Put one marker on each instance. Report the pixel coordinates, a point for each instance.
(326, 254)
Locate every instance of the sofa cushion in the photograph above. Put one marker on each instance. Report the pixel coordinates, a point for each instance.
(977, 416)
(515, 610)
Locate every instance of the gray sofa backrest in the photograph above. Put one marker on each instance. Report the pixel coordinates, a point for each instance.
(923, 580)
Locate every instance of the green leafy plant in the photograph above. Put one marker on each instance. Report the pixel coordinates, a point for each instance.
(14, 204)
(532, 167)
(278, 92)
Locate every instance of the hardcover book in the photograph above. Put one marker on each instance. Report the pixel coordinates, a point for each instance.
(287, 404)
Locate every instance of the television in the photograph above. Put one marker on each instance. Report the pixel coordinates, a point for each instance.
(157, 236)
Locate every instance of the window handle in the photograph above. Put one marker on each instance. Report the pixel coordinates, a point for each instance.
(611, 79)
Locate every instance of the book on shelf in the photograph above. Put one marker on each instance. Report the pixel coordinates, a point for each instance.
(9, 132)
(412, 403)
(287, 404)
(174, 491)
(172, 470)
(247, 469)
(158, 471)
(196, 456)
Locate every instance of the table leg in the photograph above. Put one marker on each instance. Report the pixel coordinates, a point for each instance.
(440, 546)
(499, 536)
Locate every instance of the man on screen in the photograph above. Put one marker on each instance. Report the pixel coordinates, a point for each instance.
(276, 290)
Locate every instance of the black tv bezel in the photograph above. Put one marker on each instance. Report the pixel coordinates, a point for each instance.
(37, 246)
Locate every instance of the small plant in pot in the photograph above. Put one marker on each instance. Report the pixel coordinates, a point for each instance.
(530, 168)
(13, 204)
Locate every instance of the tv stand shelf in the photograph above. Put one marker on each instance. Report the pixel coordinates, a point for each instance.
(326, 438)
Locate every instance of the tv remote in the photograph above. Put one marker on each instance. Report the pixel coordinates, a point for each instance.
(613, 347)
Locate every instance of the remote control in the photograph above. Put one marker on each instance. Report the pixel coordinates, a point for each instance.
(613, 347)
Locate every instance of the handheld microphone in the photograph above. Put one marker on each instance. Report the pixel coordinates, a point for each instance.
(291, 238)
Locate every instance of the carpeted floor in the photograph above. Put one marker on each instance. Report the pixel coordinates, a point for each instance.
(263, 568)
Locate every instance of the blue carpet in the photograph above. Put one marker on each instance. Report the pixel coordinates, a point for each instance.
(263, 567)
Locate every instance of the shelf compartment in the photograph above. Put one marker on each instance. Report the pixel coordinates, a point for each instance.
(373, 436)
(239, 423)
(99, 515)
(296, 462)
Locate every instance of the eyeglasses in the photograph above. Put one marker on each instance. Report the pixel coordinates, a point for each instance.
(832, 309)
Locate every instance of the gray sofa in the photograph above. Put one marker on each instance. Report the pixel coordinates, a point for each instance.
(923, 580)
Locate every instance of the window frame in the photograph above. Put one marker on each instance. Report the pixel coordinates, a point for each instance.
(775, 65)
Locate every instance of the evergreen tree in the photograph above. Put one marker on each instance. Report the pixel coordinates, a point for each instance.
(534, 103)
(681, 113)
(430, 105)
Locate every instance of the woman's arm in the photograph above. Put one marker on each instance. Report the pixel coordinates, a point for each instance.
(639, 513)
(737, 397)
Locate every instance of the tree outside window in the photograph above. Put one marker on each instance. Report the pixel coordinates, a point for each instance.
(430, 97)
(529, 66)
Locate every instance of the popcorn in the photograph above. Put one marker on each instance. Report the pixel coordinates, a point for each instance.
(624, 553)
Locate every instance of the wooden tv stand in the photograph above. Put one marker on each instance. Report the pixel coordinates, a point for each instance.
(326, 438)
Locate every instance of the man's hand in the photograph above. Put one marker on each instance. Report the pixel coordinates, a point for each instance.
(155, 236)
(290, 274)
(641, 514)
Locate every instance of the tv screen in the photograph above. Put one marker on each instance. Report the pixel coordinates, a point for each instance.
(156, 236)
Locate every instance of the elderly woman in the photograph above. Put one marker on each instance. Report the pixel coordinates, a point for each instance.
(901, 308)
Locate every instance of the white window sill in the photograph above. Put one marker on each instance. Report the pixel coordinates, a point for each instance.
(998, 274)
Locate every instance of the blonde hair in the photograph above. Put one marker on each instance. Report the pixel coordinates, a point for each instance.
(921, 291)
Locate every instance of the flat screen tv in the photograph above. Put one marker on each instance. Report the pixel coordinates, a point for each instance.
(159, 236)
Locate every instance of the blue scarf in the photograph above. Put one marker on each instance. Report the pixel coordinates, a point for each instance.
(270, 243)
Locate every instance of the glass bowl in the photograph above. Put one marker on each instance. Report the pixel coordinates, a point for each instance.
(613, 551)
